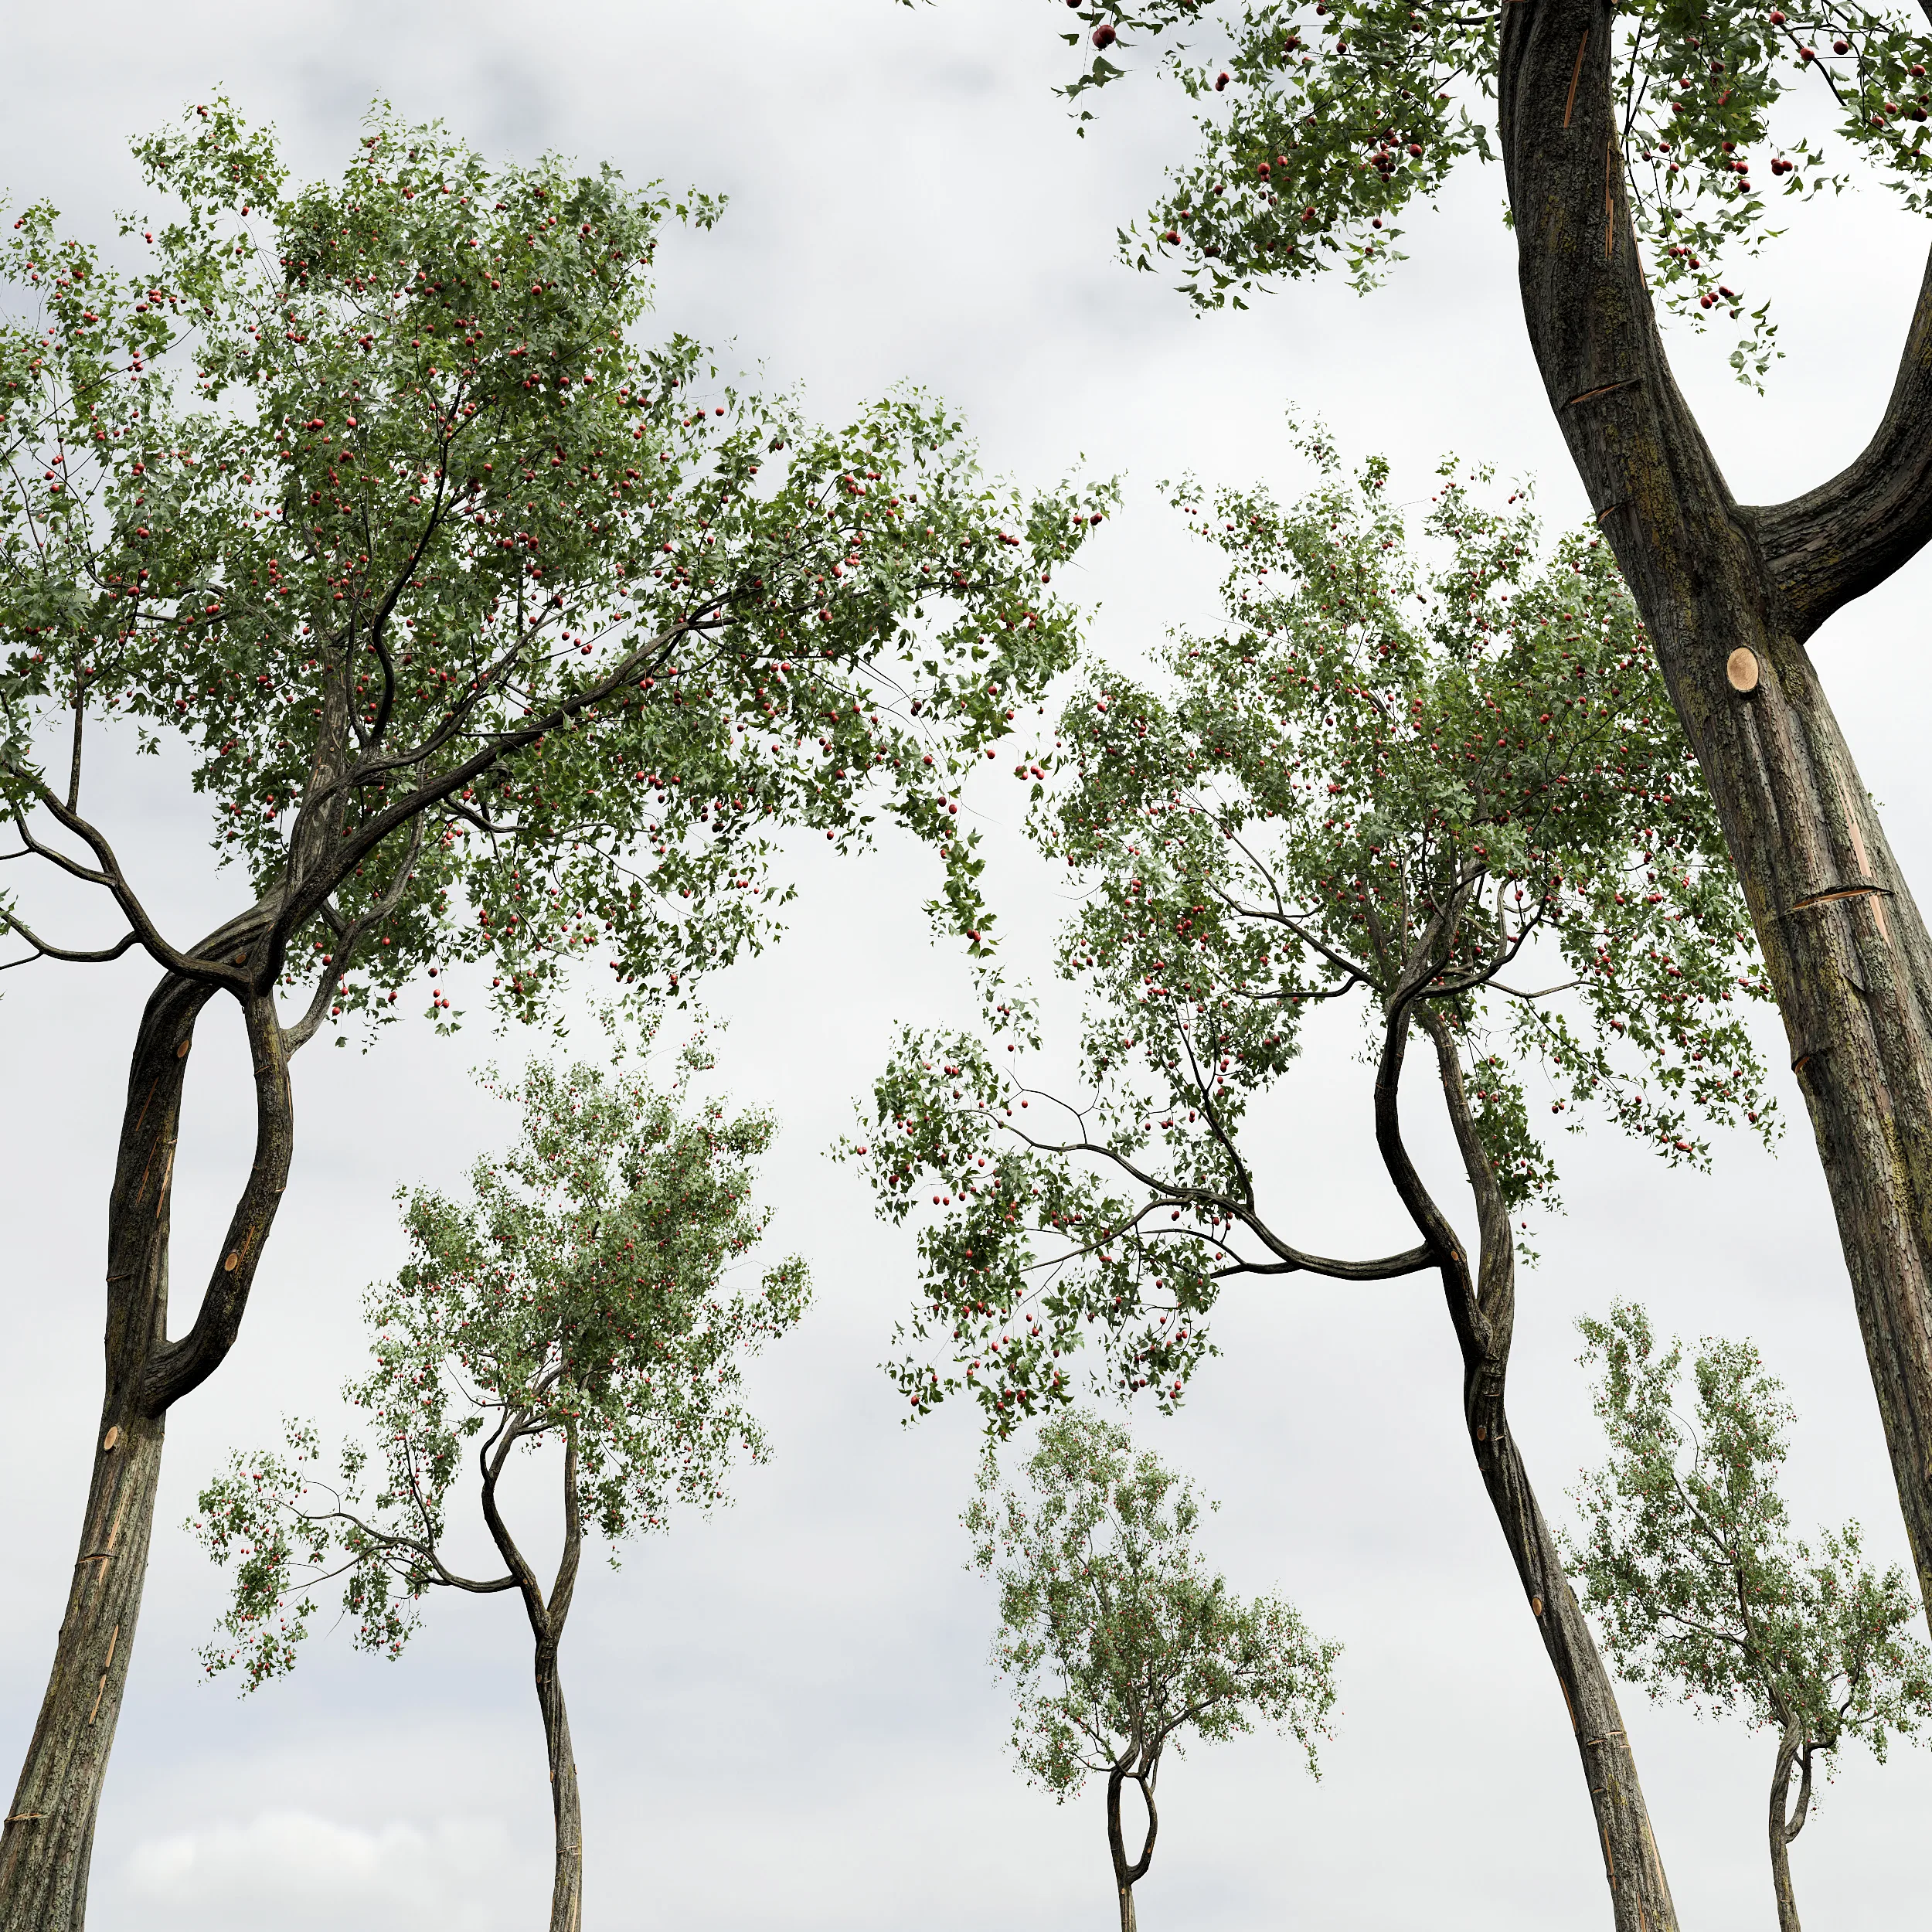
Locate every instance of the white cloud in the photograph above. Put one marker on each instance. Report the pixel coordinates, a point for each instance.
(296, 1869)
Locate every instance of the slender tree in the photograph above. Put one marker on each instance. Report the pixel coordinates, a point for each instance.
(490, 633)
(580, 1306)
(1452, 791)
(1688, 1562)
(1628, 136)
(1119, 1640)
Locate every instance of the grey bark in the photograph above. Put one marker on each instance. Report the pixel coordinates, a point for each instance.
(1730, 595)
(50, 1827)
(1788, 1819)
(1481, 1307)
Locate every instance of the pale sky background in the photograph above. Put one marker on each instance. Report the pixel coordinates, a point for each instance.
(783, 1715)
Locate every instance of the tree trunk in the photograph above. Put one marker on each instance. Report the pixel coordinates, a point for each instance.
(1729, 595)
(1786, 1821)
(566, 1889)
(1126, 1874)
(547, 1617)
(50, 1827)
(1482, 1312)
(49, 1832)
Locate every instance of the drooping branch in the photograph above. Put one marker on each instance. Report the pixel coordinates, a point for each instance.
(111, 876)
(45, 949)
(1289, 1258)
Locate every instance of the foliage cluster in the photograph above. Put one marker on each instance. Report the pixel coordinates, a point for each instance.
(1318, 125)
(1689, 1566)
(488, 633)
(1387, 778)
(581, 1298)
(1117, 1637)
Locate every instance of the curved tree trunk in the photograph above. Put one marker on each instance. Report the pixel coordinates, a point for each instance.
(49, 1828)
(1127, 1875)
(43, 1856)
(1787, 1821)
(547, 1617)
(1482, 1312)
(566, 1889)
(1729, 595)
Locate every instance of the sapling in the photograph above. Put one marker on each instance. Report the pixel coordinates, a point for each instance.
(580, 1306)
(1120, 1642)
(1687, 1560)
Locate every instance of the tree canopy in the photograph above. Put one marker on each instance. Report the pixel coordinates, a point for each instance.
(1118, 1640)
(1318, 128)
(582, 1296)
(1688, 1565)
(452, 592)
(1446, 778)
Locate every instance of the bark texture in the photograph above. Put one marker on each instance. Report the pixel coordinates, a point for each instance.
(1730, 596)
(49, 1826)
(1482, 1312)
(1127, 1874)
(1787, 1820)
(547, 1617)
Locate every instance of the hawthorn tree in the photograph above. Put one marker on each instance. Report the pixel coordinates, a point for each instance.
(492, 634)
(1627, 136)
(580, 1306)
(1687, 1560)
(1451, 790)
(1118, 1639)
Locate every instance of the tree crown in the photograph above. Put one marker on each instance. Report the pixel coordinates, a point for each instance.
(1118, 1638)
(1447, 778)
(582, 1295)
(460, 599)
(1689, 1563)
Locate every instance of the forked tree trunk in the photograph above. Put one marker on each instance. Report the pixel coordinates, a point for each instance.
(1482, 1310)
(1128, 1873)
(44, 1855)
(1730, 596)
(1786, 1821)
(547, 1617)
(49, 1826)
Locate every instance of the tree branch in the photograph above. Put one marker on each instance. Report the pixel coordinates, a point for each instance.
(177, 1367)
(1837, 542)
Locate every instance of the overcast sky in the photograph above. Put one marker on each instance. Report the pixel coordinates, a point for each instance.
(783, 1715)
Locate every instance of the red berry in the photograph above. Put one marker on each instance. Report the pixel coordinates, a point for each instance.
(1104, 36)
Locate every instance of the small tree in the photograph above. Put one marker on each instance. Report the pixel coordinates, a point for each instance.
(1687, 1561)
(579, 1304)
(1118, 1639)
(488, 633)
